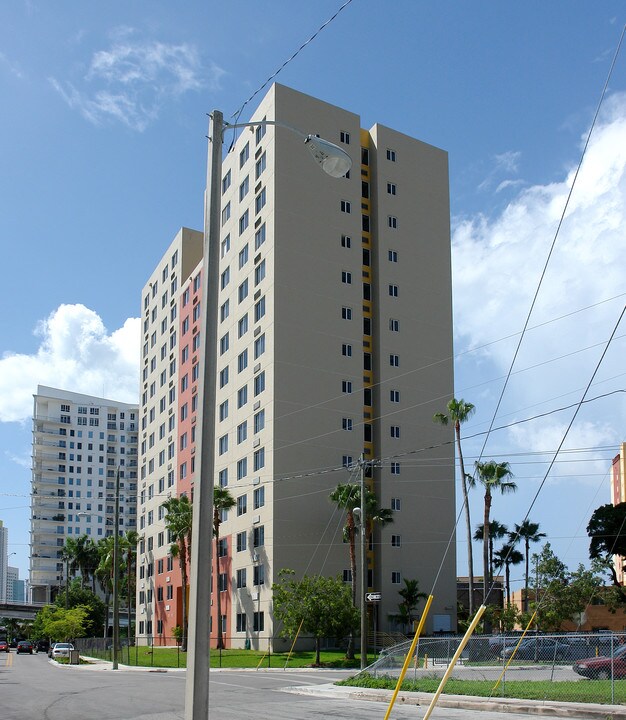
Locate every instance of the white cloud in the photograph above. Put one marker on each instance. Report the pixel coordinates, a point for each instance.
(21, 460)
(504, 163)
(131, 81)
(76, 353)
(578, 459)
(11, 66)
(497, 264)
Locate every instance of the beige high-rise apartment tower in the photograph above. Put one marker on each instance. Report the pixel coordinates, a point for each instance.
(334, 343)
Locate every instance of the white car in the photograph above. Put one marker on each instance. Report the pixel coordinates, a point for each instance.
(61, 650)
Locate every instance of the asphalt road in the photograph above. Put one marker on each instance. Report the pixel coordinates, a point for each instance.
(33, 687)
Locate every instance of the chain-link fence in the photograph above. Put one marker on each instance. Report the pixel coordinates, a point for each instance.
(167, 652)
(581, 667)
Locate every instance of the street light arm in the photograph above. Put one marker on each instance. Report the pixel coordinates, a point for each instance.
(252, 124)
(333, 160)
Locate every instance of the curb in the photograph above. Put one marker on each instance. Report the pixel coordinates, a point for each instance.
(545, 708)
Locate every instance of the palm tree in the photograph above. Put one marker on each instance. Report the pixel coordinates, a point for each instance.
(104, 573)
(411, 595)
(92, 561)
(129, 543)
(70, 555)
(492, 476)
(529, 532)
(178, 524)
(347, 497)
(458, 412)
(81, 556)
(497, 531)
(222, 500)
(506, 556)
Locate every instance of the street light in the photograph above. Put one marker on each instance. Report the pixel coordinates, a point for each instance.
(336, 163)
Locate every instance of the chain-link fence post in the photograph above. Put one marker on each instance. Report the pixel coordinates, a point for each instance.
(612, 671)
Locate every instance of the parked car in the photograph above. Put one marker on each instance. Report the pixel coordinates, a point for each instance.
(603, 666)
(497, 643)
(4, 646)
(538, 648)
(61, 649)
(25, 646)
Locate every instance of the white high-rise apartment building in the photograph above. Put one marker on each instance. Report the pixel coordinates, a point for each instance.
(15, 586)
(334, 342)
(79, 444)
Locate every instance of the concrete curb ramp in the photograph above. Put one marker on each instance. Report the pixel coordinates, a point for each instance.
(588, 711)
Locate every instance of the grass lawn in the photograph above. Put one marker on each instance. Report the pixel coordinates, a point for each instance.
(172, 658)
(590, 691)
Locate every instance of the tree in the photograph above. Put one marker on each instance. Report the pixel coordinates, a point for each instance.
(506, 556)
(318, 605)
(79, 552)
(458, 412)
(503, 619)
(492, 476)
(178, 523)
(528, 532)
(222, 500)
(129, 543)
(79, 596)
(92, 560)
(411, 595)
(12, 627)
(607, 530)
(348, 497)
(560, 594)
(496, 532)
(57, 623)
(104, 574)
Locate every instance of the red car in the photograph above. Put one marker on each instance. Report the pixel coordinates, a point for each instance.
(4, 646)
(603, 667)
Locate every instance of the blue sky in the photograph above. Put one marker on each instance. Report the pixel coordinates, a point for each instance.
(102, 159)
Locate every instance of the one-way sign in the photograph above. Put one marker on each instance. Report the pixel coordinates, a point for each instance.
(373, 597)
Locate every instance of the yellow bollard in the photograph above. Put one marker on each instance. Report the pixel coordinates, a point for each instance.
(425, 661)
(457, 654)
(294, 643)
(506, 667)
(407, 660)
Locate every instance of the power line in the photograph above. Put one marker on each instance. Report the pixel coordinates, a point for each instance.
(556, 235)
(540, 488)
(289, 59)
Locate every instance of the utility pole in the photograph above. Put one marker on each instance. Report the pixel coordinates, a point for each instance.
(116, 572)
(67, 581)
(363, 566)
